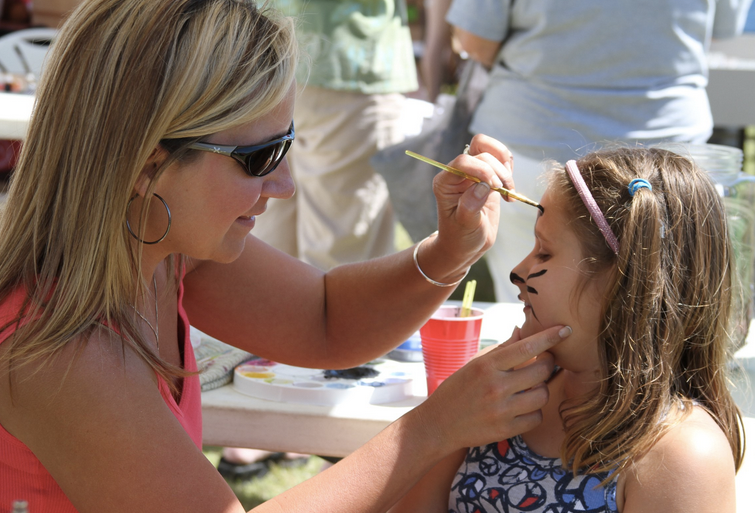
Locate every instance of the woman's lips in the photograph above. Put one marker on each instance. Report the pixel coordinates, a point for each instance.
(251, 217)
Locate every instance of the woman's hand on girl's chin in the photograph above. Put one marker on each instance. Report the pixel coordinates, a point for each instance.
(468, 212)
(516, 335)
(494, 396)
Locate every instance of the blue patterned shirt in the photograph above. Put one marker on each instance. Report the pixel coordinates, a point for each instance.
(507, 477)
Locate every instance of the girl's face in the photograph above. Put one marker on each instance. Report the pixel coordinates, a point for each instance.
(549, 281)
(213, 201)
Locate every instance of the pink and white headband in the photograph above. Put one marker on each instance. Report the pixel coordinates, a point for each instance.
(592, 207)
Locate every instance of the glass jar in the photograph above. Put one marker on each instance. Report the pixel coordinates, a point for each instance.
(724, 166)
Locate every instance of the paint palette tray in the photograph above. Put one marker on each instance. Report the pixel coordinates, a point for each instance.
(381, 381)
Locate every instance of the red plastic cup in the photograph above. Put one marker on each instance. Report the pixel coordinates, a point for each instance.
(449, 342)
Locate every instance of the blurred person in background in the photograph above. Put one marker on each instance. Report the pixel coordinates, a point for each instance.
(358, 63)
(437, 63)
(568, 76)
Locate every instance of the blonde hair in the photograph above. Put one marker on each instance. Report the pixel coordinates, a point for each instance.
(664, 342)
(123, 77)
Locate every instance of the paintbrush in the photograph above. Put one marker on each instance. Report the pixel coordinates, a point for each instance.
(501, 190)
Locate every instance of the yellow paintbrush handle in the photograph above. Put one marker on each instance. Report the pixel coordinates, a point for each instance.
(442, 166)
(501, 190)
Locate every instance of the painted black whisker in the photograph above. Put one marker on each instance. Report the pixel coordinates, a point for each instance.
(537, 274)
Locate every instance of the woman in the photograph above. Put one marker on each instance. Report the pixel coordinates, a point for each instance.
(159, 134)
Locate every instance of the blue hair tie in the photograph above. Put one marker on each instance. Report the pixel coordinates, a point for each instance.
(637, 184)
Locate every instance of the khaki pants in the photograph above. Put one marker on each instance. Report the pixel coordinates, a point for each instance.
(340, 212)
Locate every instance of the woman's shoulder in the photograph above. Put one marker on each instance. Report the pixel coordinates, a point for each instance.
(689, 468)
(12, 304)
(95, 362)
(94, 417)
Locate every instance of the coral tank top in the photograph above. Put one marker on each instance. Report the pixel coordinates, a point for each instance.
(23, 477)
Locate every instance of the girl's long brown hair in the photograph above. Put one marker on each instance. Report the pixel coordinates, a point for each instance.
(665, 338)
(123, 77)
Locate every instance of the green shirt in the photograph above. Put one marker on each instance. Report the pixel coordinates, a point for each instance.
(354, 45)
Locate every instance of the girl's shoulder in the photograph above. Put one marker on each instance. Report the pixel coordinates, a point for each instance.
(689, 468)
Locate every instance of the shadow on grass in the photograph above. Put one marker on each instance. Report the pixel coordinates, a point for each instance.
(253, 492)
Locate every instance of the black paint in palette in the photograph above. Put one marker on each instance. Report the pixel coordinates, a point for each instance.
(353, 373)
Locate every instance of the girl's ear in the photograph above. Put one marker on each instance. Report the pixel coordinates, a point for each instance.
(155, 160)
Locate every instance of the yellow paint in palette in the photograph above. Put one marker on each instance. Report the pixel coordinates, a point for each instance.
(259, 375)
(278, 381)
(273, 381)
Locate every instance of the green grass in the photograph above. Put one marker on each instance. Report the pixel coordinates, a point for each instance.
(280, 478)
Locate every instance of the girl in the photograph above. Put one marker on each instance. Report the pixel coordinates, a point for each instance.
(632, 252)
(159, 134)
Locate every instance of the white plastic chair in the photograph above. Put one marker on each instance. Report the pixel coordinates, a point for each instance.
(23, 51)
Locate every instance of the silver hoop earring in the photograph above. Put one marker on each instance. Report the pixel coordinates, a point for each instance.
(128, 225)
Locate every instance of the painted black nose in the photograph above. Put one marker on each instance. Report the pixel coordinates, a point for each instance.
(515, 278)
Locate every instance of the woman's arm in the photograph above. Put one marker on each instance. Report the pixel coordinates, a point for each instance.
(430, 494)
(275, 306)
(477, 405)
(691, 468)
(96, 421)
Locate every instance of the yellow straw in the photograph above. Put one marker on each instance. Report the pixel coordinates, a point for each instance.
(466, 303)
(501, 190)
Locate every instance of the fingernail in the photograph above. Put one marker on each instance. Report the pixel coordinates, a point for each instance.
(481, 190)
(564, 332)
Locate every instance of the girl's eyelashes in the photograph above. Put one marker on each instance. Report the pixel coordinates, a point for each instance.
(542, 257)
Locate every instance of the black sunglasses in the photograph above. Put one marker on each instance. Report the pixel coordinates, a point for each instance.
(258, 160)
